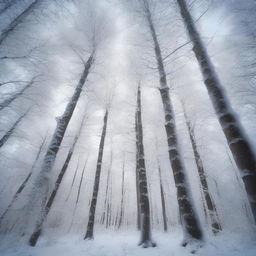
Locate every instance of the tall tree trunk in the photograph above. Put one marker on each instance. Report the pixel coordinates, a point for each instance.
(238, 143)
(78, 193)
(188, 215)
(9, 133)
(109, 208)
(38, 229)
(38, 198)
(122, 197)
(19, 19)
(104, 216)
(73, 181)
(90, 225)
(24, 183)
(145, 239)
(162, 198)
(210, 205)
(7, 102)
(137, 179)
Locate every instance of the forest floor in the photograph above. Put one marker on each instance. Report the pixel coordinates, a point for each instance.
(125, 244)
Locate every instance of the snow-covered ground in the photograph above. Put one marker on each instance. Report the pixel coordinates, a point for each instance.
(124, 244)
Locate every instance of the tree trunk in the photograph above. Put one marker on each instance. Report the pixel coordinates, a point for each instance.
(137, 179)
(90, 225)
(38, 199)
(73, 181)
(162, 199)
(122, 197)
(105, 215)
(188, 215)
(78, 194)
(24, 183)
(9, 133)
(19, 19)
(145, 239)
(238, 143)
(109, 208)
(38, 229)
(210, 205)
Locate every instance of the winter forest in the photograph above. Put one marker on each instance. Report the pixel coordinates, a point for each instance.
(127, 128)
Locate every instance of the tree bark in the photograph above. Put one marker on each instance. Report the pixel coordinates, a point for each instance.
(208, 201)
(105, 214)
(162, 199)
(90, 225)
(38, 229)
(38, 199)
(145, 239)
(73, 181)
(237, 140)
(78, 193)
(189, 220)
(137, 179)
(122, 197)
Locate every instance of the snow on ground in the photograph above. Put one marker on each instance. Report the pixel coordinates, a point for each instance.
(125, 244)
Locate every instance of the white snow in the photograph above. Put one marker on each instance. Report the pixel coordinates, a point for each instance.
(124, 243)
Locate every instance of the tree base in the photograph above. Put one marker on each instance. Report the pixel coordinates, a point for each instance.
(193, 244)
(87, 237)
(147, 244)
(34, 238)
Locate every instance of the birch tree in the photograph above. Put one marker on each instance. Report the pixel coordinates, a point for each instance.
(38, 229)
(208, 200)
(104, 218)
(145, 239)
(189, 219)
(237, 140)
(162, 197)
(42, 183)
(122, 196)
(90, 225)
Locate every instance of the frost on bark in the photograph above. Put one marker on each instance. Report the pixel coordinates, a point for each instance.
(162, 199)
(239, 144)
(208, 200)
(38, 229)
(40, 192)
(145, 239)
(189, 220)
(90, 225)
(10, 132)
(19, 19)
(24, 183)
